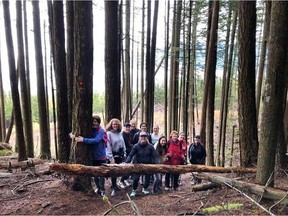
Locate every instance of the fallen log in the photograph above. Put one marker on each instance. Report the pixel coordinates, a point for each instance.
(128, 169)
(245, 187)
(21, 164)
(206, 186)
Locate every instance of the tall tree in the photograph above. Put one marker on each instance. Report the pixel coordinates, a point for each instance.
(83, 87)
(61, 81)
(2, 106)
(45, 151)
(174, 69)
(112, 66)
(263, 55)
(126, 78)
(26, 108)
(248, 137)
(70, 57)
(14, 84)
(275, 88)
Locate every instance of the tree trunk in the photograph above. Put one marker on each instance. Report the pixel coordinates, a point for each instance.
(61, 82)
(26, 108)
(174, 70)
(246, 85)
(70, 57)
(83, 87)
(112, 67)
(246, 187)
(128, 169)
(273, 108)
(211, 74)
(263, 55)
(2, 107)
(14, 84)
(45, 152)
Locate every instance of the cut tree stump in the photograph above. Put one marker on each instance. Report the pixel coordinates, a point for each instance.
(245, 187)
(128, 169)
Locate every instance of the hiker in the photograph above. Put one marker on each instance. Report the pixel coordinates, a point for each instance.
(197, 155)
(116, 150)
(98, 150)
(142, 153)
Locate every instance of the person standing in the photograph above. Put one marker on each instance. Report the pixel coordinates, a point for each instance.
(116, 149)
(197, 155)
(161, 148)
(155, 135)
(142, 153)
(174, 156)
(143, 127)
(133, 128)
(98, 150)
(123, 183)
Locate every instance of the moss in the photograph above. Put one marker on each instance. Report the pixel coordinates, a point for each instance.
(5, 152)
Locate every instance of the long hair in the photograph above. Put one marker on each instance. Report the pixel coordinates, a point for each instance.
(162, 150)
(109, 125)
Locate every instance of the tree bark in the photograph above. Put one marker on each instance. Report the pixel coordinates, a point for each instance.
(128, 169)
(248, 137)
(275, 88)
(61, 82)
(112, 66)
(14, 84)
(246, 187)
(25, 99)
(45, 151)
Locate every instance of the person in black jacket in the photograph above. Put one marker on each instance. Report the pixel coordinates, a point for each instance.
(197, 155)
(142, 153)
(143, 127)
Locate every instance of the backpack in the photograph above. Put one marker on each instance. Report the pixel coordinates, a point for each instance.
(105, 137)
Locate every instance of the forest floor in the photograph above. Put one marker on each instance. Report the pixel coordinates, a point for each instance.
(24, 192)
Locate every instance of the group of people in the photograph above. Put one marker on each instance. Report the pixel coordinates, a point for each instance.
(137, 146)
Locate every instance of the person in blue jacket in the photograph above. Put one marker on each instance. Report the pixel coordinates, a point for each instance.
(142, 153)
(98, 149)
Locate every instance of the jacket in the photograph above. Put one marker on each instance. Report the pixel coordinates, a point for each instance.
(143, 153)
(177, 157)
(197, 153)
(97, 144)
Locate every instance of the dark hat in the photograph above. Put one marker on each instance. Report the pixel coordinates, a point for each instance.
(127, 124)
(143, 133)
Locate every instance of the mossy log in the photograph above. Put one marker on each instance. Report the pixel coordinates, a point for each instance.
(128, 169)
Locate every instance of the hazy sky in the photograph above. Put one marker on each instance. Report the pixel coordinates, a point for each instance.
(98, 34)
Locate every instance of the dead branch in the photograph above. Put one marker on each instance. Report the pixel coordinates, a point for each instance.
(14, 190)
(108, 170)
(206, 186)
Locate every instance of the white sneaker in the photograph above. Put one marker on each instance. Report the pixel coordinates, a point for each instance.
(113, 193)
(144, 191)
(127, 183)
(121, 185)
(167, 188)
(100, 192)
(133, 193)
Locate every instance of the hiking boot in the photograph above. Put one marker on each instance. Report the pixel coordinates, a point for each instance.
(144, 191)
(133, 193)
(122, 185)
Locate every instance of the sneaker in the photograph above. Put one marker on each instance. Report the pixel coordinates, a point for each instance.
(99, 192)
(113, 193)
(121, 185)
(144, 191)
(133, 193)
(167, 188)
(127, 183)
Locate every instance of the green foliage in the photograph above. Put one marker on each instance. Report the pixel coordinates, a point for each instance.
(8, 105)
(5, 152)
(219, 208)
(98, 102)
(159, 94)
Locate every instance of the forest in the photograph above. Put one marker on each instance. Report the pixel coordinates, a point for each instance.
(213, 68)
